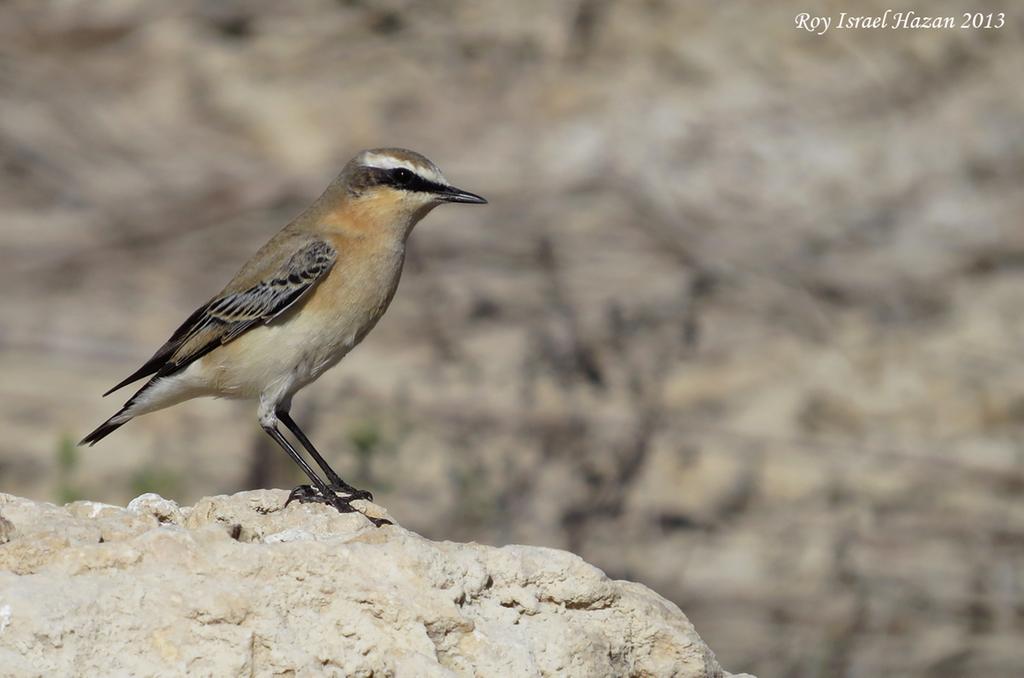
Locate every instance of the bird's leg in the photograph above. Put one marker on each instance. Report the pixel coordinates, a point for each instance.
(333, 479)
(325, 492)
(305, 493)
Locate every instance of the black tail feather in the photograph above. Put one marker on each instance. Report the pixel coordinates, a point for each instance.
(101, 432)
(109, 426)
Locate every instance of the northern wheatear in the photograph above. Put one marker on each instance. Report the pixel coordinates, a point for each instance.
(302, 302)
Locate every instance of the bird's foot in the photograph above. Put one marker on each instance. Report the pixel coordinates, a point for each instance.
(307, 494)
(341, 487)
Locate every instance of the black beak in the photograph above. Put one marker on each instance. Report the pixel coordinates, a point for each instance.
(452, 194)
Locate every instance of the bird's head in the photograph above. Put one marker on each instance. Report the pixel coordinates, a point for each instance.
(395, 186)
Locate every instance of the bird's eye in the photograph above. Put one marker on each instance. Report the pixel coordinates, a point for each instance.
(402, 176)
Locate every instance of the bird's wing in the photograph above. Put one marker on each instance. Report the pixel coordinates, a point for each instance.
(278, 285)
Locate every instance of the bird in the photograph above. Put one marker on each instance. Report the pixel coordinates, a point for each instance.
(297, 307)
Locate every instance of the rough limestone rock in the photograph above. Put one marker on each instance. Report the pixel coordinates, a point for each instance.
(237, 585)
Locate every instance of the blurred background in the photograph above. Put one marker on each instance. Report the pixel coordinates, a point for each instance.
(744, 320)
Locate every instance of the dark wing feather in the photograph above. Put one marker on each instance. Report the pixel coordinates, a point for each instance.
(229, 315)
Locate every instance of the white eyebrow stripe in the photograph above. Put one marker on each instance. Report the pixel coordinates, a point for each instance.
(388, 162)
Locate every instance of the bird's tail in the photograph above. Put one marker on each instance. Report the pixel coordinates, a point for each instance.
(104, 429)
(120, 418)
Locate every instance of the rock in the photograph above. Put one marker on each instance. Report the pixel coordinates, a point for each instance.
(239, 585)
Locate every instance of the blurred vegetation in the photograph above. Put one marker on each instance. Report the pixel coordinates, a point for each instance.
(67, 465)
(368, 441)
(154, 477)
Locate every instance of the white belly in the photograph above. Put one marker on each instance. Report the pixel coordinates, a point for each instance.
(296, 351)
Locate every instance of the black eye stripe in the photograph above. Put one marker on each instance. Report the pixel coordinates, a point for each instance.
(408, 180)
(396, 177)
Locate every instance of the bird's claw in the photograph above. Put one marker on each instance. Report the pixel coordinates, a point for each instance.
(339, 486)
(352, 492)
(307, 494)
(377, 522)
